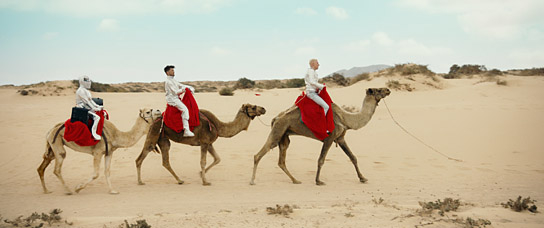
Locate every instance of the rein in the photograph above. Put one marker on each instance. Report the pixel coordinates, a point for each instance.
(416, 138)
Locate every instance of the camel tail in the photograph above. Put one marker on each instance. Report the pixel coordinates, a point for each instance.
(48, 154)
(153, 137)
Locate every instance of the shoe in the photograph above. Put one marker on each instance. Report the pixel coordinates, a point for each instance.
(188, 133)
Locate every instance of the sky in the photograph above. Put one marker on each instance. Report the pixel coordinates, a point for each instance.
(116, 41)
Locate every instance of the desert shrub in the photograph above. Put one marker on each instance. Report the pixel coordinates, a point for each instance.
(244, 83)
(337, 79)
(521, 204)
(270, 84)
(469, 222)
(502, 82)
(447, 205)
(410, 68)
(396, 85)
(51, 218)
(530, 72)
(467, 69)
(284, 210)
(360, 77)
(138, 224)
(295, 83)
(494, 72)
(226, 91)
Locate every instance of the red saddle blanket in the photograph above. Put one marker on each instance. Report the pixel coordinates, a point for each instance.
(80, 132)
(313, 115)
(172, 115)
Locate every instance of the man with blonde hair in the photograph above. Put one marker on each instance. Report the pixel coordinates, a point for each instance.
(313, 87)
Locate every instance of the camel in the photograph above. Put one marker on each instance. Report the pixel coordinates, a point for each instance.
(289, 123)
(205, 136)
(112, 139)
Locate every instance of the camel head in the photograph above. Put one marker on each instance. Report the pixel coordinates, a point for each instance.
(378, 93)
(150, 115)
(252, 110)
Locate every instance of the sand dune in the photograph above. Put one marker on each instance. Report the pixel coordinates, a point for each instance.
(495, 130)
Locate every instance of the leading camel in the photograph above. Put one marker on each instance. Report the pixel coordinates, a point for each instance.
(289, 123)
(205, 136)
(54, 147)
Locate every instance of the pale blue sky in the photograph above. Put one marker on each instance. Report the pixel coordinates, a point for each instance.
(117, 41)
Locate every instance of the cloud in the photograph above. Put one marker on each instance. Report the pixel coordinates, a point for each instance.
(382, 39)
(337, 13)
(308, 50)
(305, 11)
(115, 8)
(108, 25)
(505, 19)
(360, 45)
(218, 51)
(50, 35)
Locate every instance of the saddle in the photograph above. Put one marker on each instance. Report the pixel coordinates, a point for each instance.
(313, 116)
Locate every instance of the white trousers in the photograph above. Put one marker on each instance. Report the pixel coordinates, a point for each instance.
(318, 100)
(96, 119)
(184, 112)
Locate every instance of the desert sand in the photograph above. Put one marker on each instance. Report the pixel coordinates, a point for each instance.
(497, 131)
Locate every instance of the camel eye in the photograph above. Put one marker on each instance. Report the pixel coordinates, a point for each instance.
(148, 112)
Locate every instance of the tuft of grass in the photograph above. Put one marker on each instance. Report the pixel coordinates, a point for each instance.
(521, 204)
(469, 222)
(284, 210)
(226, 91)
(447, 205)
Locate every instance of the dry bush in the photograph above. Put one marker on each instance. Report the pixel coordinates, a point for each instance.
(396, 85)
(502, 82)
(410, 68)
(360, 77)
(138, 224)
(244, 83)
(528, 72)
(337, 79)
(447, 205)
(284, 210)
(295, 83)
(31, 220)
(270, 84)
(521, 204)
(226, 91)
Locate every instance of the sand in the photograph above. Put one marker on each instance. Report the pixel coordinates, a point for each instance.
(495, 130)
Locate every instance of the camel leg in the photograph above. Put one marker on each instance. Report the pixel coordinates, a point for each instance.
(203, 154)
(164, 145)
(283, 145)
(139, 162)
(324, 150)
(47, 158)
(59, 158)
(342, 142)
(216, 158)
(257, 158)
(107, 166)
(96, 166)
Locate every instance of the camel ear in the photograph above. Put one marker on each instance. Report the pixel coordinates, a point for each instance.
(141, 110)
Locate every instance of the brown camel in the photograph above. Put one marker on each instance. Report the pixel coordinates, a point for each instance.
(289, 123)
(205, 136)
(54, 147)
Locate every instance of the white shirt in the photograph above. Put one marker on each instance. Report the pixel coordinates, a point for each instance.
(173, 88)
(311, 80)
(84, 100)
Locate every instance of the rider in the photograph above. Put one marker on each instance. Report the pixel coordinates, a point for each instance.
(313, 86)
(84, 100)
(173, 90)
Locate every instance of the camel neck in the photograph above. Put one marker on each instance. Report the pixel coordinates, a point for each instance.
(131, 137)
(240, 123)
(358, 120)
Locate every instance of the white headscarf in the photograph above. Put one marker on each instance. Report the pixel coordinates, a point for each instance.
(85, 82)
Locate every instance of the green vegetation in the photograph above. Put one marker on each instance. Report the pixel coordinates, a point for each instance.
(244, 83)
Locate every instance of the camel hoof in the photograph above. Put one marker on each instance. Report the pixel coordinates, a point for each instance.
(47, 192)
(320, 183)
(206, 183)
(113, 192)
(251, 183)
(297, 182)
(180, 182)
(141, 183)
(68, 193)
(363, 180)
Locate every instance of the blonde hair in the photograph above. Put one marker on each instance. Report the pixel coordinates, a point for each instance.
(312, 60)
